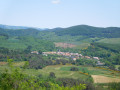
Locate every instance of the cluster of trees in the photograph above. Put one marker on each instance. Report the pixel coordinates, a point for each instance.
(4, 36)
(17, 55)
(40, 63)
(112, 61)
(108, 54)
(94, 50)
(85, 62)
(72, 82)
(74, 69)
(114, 86)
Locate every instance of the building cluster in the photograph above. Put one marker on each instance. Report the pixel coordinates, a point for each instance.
(74, 56)
(62, 53)
(35, 52)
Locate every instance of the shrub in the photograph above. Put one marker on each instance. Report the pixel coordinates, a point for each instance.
(119, 68)
(114, 86)
(52, 75)
(74, 69)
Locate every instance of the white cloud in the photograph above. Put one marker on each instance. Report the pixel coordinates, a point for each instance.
(55, 1)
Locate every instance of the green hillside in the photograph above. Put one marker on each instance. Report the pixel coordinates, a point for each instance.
(89, 31)
(19, 32)
(81, 35)
(110, 40)
(24, 42)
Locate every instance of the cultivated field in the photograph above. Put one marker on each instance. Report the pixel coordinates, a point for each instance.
(104, 79)
(99, 75)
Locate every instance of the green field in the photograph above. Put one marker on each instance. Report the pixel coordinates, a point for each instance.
(22, 43)
(62, 71)
(110, 40)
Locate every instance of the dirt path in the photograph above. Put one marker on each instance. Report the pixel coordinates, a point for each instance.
(64, 45)
(71, 73)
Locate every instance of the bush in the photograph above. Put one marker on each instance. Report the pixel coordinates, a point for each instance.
(114, 86)
(119, 68)
(74, 69)
(70, 82)
(52, 75)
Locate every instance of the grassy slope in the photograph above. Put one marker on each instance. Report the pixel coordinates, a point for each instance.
(80, 41)
(24, 42)
(110, 40)
(64, 71)
(110, 43)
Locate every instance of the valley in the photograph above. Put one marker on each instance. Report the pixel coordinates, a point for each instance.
(82, 54)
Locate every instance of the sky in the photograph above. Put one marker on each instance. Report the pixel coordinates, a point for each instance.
(60, 13)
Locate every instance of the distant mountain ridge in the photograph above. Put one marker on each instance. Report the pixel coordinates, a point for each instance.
(79, 30)
(18, 27)
(12, 27)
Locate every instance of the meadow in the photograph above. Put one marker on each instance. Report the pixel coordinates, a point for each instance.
(110, 40)
(99, 75)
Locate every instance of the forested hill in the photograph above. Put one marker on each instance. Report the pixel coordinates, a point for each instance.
(90, 31)
(19, 32)
(12, 27)
(17, 27)
(84, 30)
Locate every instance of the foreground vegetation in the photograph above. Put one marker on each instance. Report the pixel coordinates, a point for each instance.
(17, 75)
(15, 79)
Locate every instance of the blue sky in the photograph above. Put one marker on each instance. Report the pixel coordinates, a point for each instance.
(60, 13)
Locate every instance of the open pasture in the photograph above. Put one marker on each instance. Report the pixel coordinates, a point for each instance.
(99, 75)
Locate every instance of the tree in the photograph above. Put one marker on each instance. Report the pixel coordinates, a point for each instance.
(74, 69)
(26, 65)
(28, 49)
(40, 52)
(112, 67)
(119, 68)
(52, 75)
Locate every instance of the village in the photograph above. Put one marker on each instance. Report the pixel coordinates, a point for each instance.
(73, 56)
